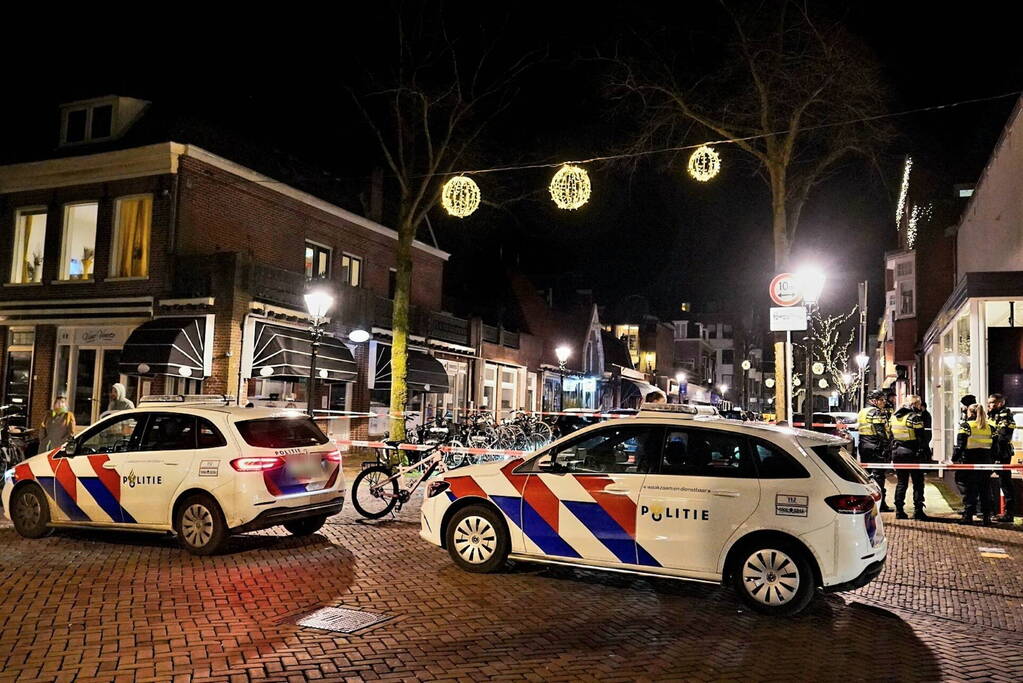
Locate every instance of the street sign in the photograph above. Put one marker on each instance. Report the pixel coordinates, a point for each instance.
(788, 319)
(785, 290)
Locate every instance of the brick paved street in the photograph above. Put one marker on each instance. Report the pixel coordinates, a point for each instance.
(85, 606)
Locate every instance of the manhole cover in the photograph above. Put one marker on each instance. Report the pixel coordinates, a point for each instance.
(341, 619)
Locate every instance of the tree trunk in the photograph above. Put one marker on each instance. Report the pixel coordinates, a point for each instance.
(779, 228)
(400, 328)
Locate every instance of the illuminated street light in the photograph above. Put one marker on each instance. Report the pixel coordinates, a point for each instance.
(811, 283)
(318, 302)
(562, 353)
(862, 360)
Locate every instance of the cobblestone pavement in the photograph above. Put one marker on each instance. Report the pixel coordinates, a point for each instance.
(101, 606)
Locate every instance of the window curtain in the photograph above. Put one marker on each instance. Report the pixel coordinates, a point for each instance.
(133, 237)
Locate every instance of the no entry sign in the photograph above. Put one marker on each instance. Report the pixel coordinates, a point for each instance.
(784, 290)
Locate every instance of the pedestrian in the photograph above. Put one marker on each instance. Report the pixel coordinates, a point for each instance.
(58, 426)
(118, 399)
(975, 446)
(906, 426)
(926, 434)
(656, 397)
(1003, 425)
(875, 438)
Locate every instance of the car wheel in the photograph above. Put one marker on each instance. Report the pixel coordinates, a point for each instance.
(375, 492)
(30, 512)
(306, 526)
(477, 540)
(200, 525)
(774, 578)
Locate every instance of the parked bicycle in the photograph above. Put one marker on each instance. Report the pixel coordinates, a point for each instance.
(382, 486)
(12, 446)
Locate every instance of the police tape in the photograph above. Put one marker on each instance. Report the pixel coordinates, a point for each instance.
(936, 466)
(427, 447)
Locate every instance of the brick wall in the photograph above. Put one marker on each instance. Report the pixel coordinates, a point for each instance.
(222, 212)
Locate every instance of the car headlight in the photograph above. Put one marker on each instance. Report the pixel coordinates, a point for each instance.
(9, 475)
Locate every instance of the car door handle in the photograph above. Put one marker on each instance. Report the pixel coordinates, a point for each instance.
(726, 494)
(616, 490)
(110, 465)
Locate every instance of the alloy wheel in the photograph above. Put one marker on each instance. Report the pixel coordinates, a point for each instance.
(28, 509)
(475, 539)
(771, 577)
(197, 525)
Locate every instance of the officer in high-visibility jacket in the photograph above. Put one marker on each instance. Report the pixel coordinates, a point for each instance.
(1003, 424)
(875, 437)
(975, 446)
(907, 426)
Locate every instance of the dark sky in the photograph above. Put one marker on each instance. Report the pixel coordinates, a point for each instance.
(280, 79)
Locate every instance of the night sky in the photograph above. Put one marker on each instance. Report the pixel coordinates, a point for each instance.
(280, 82)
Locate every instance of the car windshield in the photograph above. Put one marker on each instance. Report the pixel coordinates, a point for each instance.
(281, 432)
(837, 458)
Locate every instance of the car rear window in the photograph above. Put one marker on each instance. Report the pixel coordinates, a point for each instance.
(281, 432)
(841, 463)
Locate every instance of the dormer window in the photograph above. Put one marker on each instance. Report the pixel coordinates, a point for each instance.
(97, 120)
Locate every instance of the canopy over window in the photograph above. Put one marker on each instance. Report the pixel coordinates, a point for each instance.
(167, 346)
(280, 352)
(634, 388)
(425, 373)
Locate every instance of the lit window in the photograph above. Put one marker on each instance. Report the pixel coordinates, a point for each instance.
(29, 241)
(351, 270)
(317, 261)
(78, 253)
(129, 256)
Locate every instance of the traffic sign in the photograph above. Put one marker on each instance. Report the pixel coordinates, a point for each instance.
(785, 290)
(790, 319)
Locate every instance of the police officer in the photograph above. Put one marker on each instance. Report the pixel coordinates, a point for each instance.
(1003, 425)
(872, 424)
(961, 476)
(974, 446)
(907, 428)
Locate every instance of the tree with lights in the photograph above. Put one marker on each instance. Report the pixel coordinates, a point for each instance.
(426, 107)
(833, 338)
(793, 90)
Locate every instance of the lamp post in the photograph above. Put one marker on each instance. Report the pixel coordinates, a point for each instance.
(723, 388)
(811, 284)
(862, 360)
(681, 379)
(318, 303)
(562, 353)
(744, 395)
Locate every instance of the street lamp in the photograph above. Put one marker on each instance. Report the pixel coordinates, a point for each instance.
(862, 360)
(680, 377)
(811, 283)
(318, 302)
(562, 353)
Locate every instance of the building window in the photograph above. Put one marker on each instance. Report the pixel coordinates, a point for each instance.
(728, 357)
(89, 123)
(129, 256)
(907, 305)
(29, 242)
(78, 252)
(712, 332)
(392, 282)
(17, 386)
(904, 269)
(726, 332)
(351, 270)
(317, 261)
(630, 335)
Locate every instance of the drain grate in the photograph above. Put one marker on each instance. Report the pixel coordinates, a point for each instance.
(341, 619)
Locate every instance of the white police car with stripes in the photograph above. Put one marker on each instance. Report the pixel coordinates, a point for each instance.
(201, 472)
(780, 514)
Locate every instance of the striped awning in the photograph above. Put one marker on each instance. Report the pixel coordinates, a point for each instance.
(280, 352)
(425, 373)
(167, 346)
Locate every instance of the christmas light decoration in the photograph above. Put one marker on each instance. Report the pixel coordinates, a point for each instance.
(704, 164)
(917, 213)
(461, 196)
(570, 187)
(823, 383)
(903, 191)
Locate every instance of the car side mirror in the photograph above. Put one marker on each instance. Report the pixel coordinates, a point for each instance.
(71, 447)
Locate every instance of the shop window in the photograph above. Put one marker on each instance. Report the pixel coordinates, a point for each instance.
(18, 374)
(78, 251)
(351, 270)
(129, 255)
(29, 245)
(317, 261)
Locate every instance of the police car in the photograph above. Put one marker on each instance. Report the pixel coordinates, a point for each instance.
(777, 513)
(202, 472)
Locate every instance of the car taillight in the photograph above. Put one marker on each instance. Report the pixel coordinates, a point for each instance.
(436, 488)
(332, 456)
(850, 505)
(257, 463)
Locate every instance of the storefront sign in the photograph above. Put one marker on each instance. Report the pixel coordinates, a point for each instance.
(790, 319)
(93, 336)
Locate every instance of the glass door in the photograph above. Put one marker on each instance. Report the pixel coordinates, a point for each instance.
(84, 387)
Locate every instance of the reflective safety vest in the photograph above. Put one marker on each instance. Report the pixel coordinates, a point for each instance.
(977, 438)
(902, 430)
(868, 421)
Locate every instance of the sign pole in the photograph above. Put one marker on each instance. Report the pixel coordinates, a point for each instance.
(788, 373)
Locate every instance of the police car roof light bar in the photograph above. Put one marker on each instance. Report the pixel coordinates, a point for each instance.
(202, 399)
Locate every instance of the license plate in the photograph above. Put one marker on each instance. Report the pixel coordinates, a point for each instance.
(304, 466)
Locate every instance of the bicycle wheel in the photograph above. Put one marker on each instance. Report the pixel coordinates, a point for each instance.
(544, 431)
(372, 495)
(453, 460)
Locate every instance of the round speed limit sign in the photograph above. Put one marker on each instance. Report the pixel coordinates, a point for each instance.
(784, 290)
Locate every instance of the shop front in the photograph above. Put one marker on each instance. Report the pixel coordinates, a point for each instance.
(974, 346)
(87, 364)
(427, 378)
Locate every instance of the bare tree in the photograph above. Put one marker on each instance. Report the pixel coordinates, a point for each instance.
(427, 110)
(833, 337)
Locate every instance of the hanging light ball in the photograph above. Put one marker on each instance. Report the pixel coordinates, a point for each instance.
(460, 196)
(704, 164)
(570, 187)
